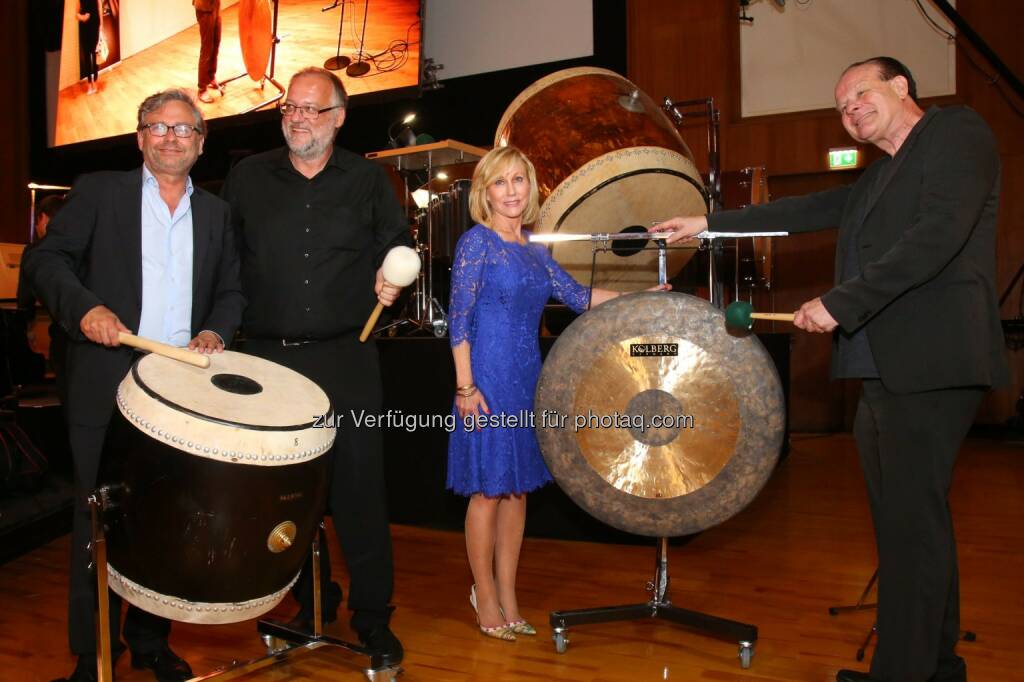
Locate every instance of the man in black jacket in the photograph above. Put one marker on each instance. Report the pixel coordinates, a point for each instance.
(138, 250)
(916, 317)
(314, 223)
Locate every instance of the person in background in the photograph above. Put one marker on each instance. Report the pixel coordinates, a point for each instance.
(208, 18)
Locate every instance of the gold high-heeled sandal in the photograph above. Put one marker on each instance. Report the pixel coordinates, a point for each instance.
(502, 632)
(521, 627)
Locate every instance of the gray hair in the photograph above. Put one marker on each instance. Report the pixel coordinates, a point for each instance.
(340, 95)
(157, 100)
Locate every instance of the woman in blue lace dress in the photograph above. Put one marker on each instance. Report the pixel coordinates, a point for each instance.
(500, 284)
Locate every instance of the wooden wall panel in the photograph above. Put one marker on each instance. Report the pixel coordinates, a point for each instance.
(689, 49)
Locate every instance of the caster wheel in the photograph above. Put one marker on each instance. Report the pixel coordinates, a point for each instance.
(383, 674)
(273, 644)
(745, 655)
(561, 642)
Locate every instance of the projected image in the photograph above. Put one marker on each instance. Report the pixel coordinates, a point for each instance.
(114, 53)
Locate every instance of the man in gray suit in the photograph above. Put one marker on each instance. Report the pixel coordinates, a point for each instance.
(915, 316)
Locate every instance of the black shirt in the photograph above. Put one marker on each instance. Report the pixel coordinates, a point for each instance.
(310, 248)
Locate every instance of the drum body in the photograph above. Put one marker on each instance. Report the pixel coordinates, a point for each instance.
(655, 419)
(214, 481)
(608, 160)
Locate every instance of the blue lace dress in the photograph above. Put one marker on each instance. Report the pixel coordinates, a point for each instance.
(499, 290)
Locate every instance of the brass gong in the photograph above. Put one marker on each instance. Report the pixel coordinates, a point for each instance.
(256, 35)
(655, 419)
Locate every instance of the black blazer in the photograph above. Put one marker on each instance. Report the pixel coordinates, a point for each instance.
(924, 226)
(92, 255)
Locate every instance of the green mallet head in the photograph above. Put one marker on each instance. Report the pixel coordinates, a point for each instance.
(738, 315)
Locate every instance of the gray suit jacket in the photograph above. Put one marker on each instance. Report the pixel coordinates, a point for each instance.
(925, 232)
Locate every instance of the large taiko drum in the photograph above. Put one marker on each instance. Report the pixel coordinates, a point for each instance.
(215, 480)
(607, 160)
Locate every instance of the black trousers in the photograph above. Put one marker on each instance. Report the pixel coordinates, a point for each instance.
(144, 632)
(908, 445)
(209, 45)
(349, 372)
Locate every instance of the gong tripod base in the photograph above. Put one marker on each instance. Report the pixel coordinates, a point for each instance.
(283, 642)
(337, 63)
(658, 607)
(745, 635)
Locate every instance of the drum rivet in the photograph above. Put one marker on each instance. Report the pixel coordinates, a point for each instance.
(206, 449)
(215, 451)
(160, 432)
(190, 444)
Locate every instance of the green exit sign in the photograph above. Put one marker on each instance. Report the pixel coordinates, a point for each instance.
(839, 159)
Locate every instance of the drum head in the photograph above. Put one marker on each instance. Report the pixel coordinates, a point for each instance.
(654, 419)
(236, 389)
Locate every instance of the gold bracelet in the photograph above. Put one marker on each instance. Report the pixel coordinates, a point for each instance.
(466, 391)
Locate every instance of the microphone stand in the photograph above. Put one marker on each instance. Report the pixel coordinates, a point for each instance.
(337, 61)
(360, 67)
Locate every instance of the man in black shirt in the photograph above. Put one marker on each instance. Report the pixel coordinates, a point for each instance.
(314, 223)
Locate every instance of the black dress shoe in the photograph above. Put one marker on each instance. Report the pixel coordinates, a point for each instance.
(383, 642)
(853, 676)
(166, 665)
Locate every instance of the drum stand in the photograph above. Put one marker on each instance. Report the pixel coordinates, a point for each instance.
(661, 607)
(283, 644)
(965, 635)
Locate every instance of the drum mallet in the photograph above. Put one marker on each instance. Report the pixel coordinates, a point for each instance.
(741, 315)
(172, 352)
(401, 267)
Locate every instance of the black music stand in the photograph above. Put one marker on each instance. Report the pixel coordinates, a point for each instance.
(283, 643)
(965, 635)
(337, 61)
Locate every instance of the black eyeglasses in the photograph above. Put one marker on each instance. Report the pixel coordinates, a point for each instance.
(306, 110)
(159, 129)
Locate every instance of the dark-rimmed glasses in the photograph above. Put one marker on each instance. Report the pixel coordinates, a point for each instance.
(308, 111)
(159, 129)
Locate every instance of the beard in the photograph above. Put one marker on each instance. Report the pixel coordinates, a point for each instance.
(308, 145)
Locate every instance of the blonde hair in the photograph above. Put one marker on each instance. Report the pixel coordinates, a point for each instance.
(492, 166)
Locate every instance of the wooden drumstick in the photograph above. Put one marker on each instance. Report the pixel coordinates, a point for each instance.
(741, 315)
(400, 267)
(172, 352)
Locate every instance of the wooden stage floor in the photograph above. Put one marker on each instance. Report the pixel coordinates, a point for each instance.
(308, 37)
(803, 545)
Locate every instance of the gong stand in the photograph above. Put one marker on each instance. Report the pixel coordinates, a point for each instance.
(267, 76)
(283, 643)
(659, 606)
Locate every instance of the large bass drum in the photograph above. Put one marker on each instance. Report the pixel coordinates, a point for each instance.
(607, 160)
(214, 481)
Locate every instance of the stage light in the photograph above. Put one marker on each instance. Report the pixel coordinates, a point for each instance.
(405, 136)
